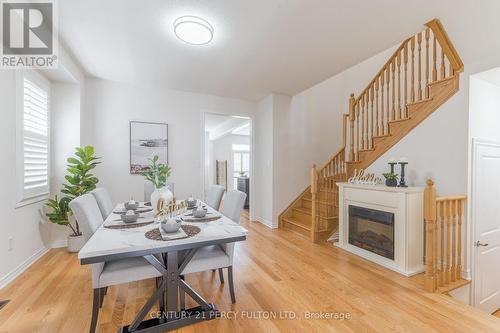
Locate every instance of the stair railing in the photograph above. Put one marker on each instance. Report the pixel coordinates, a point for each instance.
(404, 79)
(443, 238)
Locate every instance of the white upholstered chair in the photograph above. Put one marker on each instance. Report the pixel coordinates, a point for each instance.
(219, 257)
(88, 215)
(214, 196)
(149, 189)
(104, 202)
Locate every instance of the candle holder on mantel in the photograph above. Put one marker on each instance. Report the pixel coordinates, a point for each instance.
(392, 164)
(402, 182)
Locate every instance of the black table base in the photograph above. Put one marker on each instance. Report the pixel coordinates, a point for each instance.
(171, 314)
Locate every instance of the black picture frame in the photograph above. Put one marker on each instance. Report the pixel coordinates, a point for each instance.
(146, 139)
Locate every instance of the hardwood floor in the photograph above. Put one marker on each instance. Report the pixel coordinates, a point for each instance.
(275, 270)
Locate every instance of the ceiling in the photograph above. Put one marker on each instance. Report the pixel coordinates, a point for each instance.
(218, 125)
(259, 46)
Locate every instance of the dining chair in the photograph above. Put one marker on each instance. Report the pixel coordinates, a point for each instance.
(103, 200)
(214, 196)
(220, 257)
(149, 189)
(104, 275)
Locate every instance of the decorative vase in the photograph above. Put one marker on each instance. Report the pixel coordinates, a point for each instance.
(163, 193)
(391, 182)
(75, 243)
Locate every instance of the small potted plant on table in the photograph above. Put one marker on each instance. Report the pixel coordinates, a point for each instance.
(391, 179)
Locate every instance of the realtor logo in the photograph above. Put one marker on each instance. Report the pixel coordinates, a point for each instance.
(29, 36)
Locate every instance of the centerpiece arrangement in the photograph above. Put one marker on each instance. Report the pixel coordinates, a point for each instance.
(158, 174)
(79, 181)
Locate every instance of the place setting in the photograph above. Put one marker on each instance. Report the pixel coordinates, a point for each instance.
(173, 218)
(131, 216)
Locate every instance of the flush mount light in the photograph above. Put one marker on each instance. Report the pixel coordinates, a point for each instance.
(193, 30)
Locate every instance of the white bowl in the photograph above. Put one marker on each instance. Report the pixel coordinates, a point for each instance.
(129, 218)
(131, 206)
(171, 225)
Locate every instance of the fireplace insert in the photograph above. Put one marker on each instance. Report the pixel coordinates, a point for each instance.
(372, 230)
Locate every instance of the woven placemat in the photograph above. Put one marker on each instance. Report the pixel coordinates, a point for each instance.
(190, 231)
(128, 226)
(201, 219)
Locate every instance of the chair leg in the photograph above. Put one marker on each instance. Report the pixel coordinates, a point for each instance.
(102, 292)
(221, 275)
(231, 285)
(95, 309)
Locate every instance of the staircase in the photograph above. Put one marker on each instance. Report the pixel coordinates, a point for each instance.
(421, 75)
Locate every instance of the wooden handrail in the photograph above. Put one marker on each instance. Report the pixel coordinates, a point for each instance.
(379, 73)
(406, 78)
(443, 218)
(446, 44)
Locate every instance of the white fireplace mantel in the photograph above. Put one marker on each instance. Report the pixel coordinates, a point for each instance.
(406, 203)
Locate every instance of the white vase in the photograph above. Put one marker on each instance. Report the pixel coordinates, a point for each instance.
(163, 193)
(75, 243)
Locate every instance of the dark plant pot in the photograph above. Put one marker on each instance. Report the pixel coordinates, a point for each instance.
(391, 182)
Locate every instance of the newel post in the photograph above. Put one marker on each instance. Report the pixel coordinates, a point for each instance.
(430, 221)
(314, 193)
(352, 117)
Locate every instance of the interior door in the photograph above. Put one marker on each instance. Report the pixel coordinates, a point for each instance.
(486, 223)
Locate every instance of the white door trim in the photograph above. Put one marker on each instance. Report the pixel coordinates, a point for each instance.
(476, 142)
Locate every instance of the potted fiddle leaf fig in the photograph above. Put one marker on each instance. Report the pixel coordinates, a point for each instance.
(79, 181)
(391, 179)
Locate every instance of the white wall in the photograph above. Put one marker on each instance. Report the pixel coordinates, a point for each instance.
(65, 136)
(263, 202)
(222, 149)
(484, 117)
(112, 105)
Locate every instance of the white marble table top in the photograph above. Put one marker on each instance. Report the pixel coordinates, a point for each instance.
(110, 244)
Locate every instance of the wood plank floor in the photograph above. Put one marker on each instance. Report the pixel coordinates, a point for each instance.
(275, 270)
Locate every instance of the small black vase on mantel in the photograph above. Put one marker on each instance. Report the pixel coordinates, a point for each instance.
(391, 179)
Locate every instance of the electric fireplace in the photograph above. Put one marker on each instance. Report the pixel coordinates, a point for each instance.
(372, 230)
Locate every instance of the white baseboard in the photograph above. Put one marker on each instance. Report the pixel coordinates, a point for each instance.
(265, 222)
(59, 243)
(9, 277)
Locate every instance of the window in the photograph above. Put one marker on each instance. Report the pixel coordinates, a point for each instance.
(241, 162)
(32, 137)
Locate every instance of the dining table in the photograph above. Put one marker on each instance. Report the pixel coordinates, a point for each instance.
(111, 242)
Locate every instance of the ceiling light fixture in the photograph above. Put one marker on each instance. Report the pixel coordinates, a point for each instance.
(193, 30)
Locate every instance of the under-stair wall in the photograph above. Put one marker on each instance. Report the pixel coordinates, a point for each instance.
(393, 116)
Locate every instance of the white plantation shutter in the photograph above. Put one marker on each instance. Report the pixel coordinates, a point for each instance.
(34, 157)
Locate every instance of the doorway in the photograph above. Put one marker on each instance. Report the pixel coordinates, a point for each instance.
(484, 189)
(228, 153)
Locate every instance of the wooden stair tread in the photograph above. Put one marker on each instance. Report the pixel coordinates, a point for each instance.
(367, 149)
(297, 223)
(424, 100)
(381, 136)
(395, 121)
(302, 210)
(433, 83)
(452, 286)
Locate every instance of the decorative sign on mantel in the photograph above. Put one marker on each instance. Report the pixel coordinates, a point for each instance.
(362, 178)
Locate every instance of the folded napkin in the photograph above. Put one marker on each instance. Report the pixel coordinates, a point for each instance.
(172, 235)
